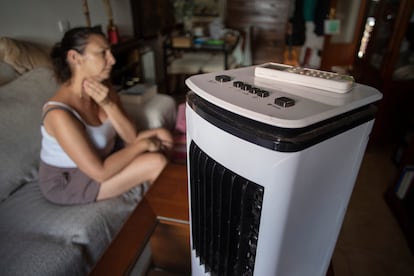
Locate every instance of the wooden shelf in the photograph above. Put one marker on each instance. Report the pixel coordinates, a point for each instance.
(126, 45)
(128, 61)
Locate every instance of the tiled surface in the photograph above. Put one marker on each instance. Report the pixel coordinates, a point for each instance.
(371, 242)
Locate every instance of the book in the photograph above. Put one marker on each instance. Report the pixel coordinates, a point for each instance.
(405, 181)
(137, 94)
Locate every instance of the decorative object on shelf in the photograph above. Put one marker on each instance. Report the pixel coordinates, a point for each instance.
(216, 28)
(137, 94)
(205, 8)
(113, 34)
(86, 13)
(183, 13)
(332, 25)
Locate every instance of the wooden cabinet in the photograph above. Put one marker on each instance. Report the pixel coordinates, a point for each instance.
(381, 53)
(149, 17)
(400, 195)
(386, 50)
(128, 64)
(266, 21)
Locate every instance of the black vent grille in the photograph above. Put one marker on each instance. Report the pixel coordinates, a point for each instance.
(225, 216)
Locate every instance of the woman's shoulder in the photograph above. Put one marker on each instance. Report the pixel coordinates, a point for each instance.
(58, 98)
(63, 98)
(62, 109)
(52, 103)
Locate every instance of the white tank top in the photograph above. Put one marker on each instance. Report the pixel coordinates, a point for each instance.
(103, 137)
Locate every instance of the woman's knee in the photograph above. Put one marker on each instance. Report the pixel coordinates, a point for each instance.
(154, 162)
(159, 160)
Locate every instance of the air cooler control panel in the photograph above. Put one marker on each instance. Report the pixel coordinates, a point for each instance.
(280, 101)
(274, 102)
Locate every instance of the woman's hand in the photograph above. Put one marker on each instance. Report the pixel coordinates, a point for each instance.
(111, 108)
(97, 91)
(154, 144)
(163, 135)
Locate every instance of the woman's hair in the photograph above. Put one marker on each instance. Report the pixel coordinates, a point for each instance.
(74, 39)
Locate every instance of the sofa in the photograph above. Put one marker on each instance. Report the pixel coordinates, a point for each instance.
(38, 237)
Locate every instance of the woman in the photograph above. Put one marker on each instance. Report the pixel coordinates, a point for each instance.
(80, 122)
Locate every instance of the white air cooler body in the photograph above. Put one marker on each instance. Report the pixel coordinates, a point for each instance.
(269, 185)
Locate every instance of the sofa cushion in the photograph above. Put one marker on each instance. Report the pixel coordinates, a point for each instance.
(27, 256)
(21, 102)
(22, 55)
(7, 73)
(84, 230)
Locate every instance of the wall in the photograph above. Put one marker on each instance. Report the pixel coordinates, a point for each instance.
(345, 43)
(37, 21)
(347, 12)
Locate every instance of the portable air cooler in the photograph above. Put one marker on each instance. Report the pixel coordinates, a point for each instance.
(269, 184)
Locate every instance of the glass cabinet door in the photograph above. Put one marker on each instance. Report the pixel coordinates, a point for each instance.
(378, 30)
(404, 65)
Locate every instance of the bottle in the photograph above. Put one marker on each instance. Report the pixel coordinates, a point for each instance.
(113, 35)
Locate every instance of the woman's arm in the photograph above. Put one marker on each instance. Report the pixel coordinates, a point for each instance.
(110, 103)
(160, 133)
(72, 137)
(120, 121)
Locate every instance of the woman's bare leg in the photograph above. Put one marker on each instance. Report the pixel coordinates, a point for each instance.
(145, 167)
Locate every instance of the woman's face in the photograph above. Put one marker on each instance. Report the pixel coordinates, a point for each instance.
(97, 58)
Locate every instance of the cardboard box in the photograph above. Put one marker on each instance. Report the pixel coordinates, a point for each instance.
(181, 42)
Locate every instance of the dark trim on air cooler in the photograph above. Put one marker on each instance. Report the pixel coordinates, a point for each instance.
(277, 138)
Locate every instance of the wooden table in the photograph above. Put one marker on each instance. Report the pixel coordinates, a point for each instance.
(226, 48)
(168, 196)
(161, 219)
(170, 242)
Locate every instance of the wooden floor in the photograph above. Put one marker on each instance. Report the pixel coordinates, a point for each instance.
(170, 246)
(170, 243)
(371, 242)
(168, 196)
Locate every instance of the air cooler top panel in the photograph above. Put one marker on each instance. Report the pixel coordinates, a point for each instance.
(277, 103)
(277, 138)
